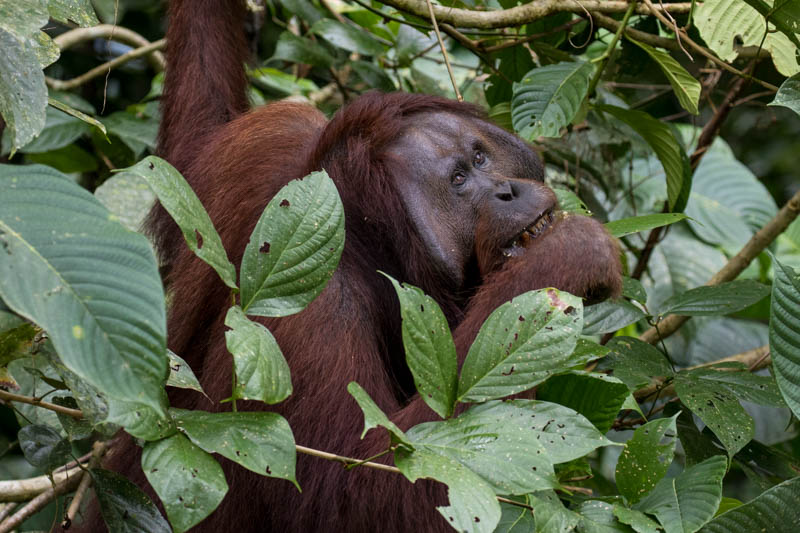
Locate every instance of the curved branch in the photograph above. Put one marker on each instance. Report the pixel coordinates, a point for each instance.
(11, 397)
(109, 31)
(21, 490)
(519, 15)
(735, 265)
(40, 501)
(63, 85)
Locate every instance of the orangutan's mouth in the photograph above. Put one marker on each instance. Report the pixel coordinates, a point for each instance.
(523, 239)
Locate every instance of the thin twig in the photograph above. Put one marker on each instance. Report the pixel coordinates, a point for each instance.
(70, 38)
(11, 397)
(528, 38)
(63, 85)
(98, 450)
(444, 52)
(346, 460)
(610, 49)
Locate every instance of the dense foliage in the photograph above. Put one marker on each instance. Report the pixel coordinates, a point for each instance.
(674, 408)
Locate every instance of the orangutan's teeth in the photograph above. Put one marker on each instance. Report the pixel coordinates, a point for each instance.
(506, 253)
(525, 238)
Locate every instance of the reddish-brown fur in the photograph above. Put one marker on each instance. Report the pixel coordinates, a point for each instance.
(236, 162)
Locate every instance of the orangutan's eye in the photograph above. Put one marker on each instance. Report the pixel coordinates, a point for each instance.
(459, 178)
(479, 160)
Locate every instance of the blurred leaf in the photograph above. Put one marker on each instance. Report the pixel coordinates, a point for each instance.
(373, 75)
(685, 503)
(569, 201)
(69, 159)
(80, 12)
(128, 196)
(633, 289)
(599, 517)
(76, 428)
(189, 482)
(430, 352)
(373, 416)
(294, 248)
(789, 94)
(125, 508)
(667, 148)
(773, 510)
(60, 130)
(92, 284)
(684, 85)
(137, 132)
(281, 82)
(347, 37)
(23, 19)
(521, 344)
(629, 226)
(259, 441)
(44, 447)
(609, 316)
(261, 371)
(784, 334)
(548, 98)
(646, 458)
(178, 198)
(296, 49)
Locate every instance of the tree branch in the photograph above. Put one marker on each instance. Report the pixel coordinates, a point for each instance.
(98, 450)
(21, 490)
(519, 15)
(109, 31)
(11, 397)
(36, 504)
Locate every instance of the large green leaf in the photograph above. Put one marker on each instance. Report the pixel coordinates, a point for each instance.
(261, 370)
(784, 334)
(125, 508)
(609, 316)
(598, 397)
(718, 408)
(628, 226)
(136, 132)
(667, 148)
(684, 85)
(737, 379)
(189, 482)
(684, 503)
(722, 299)
(599, 517)
(646, 457)
(294, 248)
(180, 201)
(521, 344)
(91, 283)
(128, 197)
(373, 416)
(60, 130)
(347, 37)
(548, 98)
(80, 12)
(789, 94)
(259, 441)
(430, 352)
(636, 362)
(774, 510)
(44, 447)
(296, 49)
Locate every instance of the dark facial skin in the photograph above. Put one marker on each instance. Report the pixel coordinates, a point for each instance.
(466, 174)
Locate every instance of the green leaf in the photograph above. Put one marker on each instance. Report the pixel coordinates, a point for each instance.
(294, 248)
(609, 316)
(629, 226)
(784, 333)
(636, 362)
(91, 283)
(136, 132)
(646, 457)
(181, 375)
(23, 19)
(668, 149)
(473, 505)
(347, 37)
(373, 416)
(261, 371)
(430, 352)
(125, 508)
(718, 408)
(58, 104)
(722, 299)
(44, 447)
(180, 201)
(189, 482)
(783, 17)
(548, 98)
(551, 515)
(684, 503)
(741, 383)
(569, 201)
(259, 441)
(373, 75)
(521, 344)
(596, 396)
(23, 93)
(281, 82)
(296, 49)
(76, 428)
(60, 130)
(80, 12)
(789, 94)
(640, 522)
(684, 85)
(773, 510)
(128, 197)
(599, 517)
(512, 445)
(633, 289)
(515, 518)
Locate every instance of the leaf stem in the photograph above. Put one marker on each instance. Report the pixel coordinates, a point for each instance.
(11, 397)
(610, 49)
